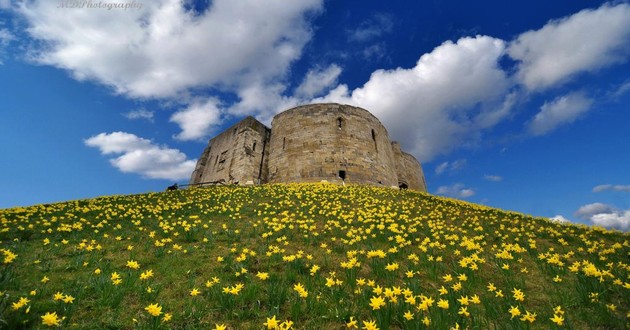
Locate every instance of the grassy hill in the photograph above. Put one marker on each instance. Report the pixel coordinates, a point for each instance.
(308, 256)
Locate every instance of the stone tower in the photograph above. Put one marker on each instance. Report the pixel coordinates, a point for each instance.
(310, 143)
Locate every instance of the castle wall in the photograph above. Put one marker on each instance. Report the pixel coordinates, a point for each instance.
(235, 155)
(326, 141)
(408, 170)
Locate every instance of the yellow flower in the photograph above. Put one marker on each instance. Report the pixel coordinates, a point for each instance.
(352, 323)
(557, 319)
(51, 319)
(518, 294)
(529, 317)
(369, 325)
(377, 302)
(392, 267)
(45, 279)
(447, 278)
(463, 300)
(58, 296)
(167, 317)
(133, 264)
(146, 274)
(154, 309)
(271, 323)
(475, 300)
(463, 311)
(514, 311)
(220, 327)
(194, 292)
(299, 288)
(442, 303)
(426, 321)
(408, 315)
(97, 271)
(443, 291)
(262, 276)
(68, 299)
(491, 287)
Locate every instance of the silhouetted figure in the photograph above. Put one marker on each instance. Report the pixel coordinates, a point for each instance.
(173, 187)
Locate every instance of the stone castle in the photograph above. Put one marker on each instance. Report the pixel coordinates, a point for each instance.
(310, 143)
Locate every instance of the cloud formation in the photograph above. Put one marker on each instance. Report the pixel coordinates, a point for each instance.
(164, 49)
(318, 81)
(605, 215)
(198, 120)
(141, 156)
(583, 42)
(450, 166)
(616, 187)
(5, 38)
(245, 49)
(457, 190)
(562, 110)
(140, 114)
(373, 28)
(493, 178)
(418, 106)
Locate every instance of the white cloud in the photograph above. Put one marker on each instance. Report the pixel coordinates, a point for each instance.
(5, 38)
(162, 49)
(5, 4)
(197, 120)
(559, 219)
(562, 110)
(457, 190)
(373, 28)
(584, 42)
(318, 81)
(617, 220)
(616, 187)
(142, 157)
(418, 105)
(587, 211)
(450, 166)
(605, 215)
(493, 178)
(140, 114)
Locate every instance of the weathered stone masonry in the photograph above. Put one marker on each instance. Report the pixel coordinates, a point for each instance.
(311, 143)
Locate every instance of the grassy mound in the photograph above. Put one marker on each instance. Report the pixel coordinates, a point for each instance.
(308, 256)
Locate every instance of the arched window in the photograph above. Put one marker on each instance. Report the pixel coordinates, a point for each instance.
(340, 122)
(254, 146)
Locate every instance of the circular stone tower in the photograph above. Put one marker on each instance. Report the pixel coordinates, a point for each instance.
(332, 142)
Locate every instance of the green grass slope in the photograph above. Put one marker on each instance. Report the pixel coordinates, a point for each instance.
(307, 256)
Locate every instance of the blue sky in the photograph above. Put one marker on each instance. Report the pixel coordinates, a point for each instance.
(521, 105)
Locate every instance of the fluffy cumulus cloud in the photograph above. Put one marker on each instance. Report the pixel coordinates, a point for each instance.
(133, 154)
(418, 105)
(197, 120)
(457, 190)
(605, 215)
(562, 110)
(163, 49)
(613, 187)
(318, 81)
(584, 42)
